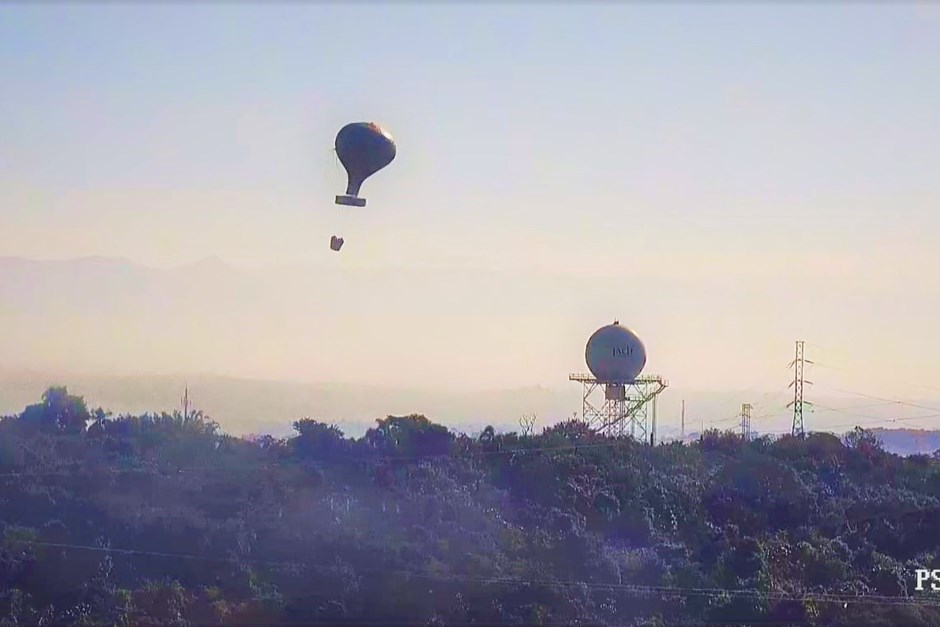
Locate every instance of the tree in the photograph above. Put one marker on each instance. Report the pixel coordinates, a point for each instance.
(58, 411)
(412, 435)
(318, 441)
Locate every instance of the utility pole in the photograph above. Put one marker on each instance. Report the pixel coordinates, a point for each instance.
(682, 432)
(186, 403)
(797, 384)
(746, 421)
(653, 429)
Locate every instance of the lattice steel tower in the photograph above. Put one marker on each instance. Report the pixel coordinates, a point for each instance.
(627, 409)
(798, 382)
(746, 421)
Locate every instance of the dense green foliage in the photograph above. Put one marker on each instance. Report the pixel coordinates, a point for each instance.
(163, 520)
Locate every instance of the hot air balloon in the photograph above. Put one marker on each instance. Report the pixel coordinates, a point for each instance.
(336, 243)
(363, 148)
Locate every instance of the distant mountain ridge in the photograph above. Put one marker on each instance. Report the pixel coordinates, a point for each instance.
(909, 441)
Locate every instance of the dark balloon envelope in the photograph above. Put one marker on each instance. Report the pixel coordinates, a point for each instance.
(363, 148)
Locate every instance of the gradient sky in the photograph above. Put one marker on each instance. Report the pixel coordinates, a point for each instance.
(780, 163)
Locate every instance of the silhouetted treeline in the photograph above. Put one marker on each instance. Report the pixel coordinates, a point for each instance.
(164, 520)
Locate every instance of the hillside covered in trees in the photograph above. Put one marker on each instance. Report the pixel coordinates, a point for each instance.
(164, 520)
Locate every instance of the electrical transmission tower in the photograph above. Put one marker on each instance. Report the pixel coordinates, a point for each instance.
(798, 382)
(746, 421)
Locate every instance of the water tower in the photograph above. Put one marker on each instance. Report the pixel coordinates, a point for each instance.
(616, 357)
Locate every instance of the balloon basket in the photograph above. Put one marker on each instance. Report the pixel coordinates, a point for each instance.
(351, 201)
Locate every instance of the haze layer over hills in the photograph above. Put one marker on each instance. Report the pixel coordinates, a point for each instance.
(261, 348)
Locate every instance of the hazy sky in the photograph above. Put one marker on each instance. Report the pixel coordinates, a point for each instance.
(777, 165)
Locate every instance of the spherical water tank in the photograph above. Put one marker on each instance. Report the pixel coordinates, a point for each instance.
(614, 354)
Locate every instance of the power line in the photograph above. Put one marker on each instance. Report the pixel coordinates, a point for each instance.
(549, 583)
(883, 401)
(862, 406)
(882, 398)
(762, 404)
(737, 415)
(875, 419)
(903, 381)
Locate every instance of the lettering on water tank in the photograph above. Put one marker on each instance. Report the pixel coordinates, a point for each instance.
(623, 352)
